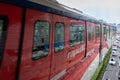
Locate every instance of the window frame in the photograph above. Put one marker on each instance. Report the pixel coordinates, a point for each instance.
(80, 42)
(109, 32)
(97, 31)
(33, 58)
(93, 32)
(4, 35)
(104, 29)
(55, 37)
(89, 32)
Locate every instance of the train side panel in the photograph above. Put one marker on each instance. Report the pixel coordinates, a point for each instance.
(10, 34)
(76, 50)
(59, 47)
(55, 47)
(97, 37)
(90, 38)
(36, 50)
(104, 36)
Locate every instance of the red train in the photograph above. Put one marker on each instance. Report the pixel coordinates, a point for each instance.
(45, 40)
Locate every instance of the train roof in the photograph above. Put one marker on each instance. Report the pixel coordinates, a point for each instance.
(65, 9)
(53, 7)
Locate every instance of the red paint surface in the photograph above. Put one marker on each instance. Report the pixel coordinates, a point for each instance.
(90, 43)
(81, 47)
(79, 69)
(38, 69)
(54, 63)
(59, 59)
(10, 55)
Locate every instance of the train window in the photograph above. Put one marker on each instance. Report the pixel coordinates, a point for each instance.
(59, 37)
(1, 26)
(104, 30)
(82, 33)
(76, 34)
(109, 31)
(93, 32)
(41, 40)
(97, 31)
(3, 32)
(89, 32)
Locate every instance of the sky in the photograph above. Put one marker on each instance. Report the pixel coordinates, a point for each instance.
(107, 10)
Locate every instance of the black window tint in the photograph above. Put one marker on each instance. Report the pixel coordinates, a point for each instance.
(41, 40)
(81, 33)
(89, 32)
(104, 29)
(109, 32)
(76, 34)
(1, 29)
(92, 32)
(3, 32)
(59, 37)
(97, 31)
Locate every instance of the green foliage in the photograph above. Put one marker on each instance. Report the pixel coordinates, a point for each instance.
(101, 68)
(94, 77)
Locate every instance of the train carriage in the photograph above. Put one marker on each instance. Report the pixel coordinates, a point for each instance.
(43, 40)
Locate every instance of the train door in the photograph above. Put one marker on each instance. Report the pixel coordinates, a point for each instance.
(76, 50)
(90, 38)
(97, 37)
(59, 54)
(36, 50)
(104, 36)
(10, 27)
(104, 33)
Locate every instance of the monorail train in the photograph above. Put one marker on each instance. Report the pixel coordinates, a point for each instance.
(45, 40)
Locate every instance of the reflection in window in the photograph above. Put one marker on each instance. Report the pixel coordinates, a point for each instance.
(1, 41)
(97, 31)
(3, 32)
(109, 32)
(89, 32)
(41, 40)
(1, 27)
(59, 37)
(92, 32)
(104, 30)
(76, 34)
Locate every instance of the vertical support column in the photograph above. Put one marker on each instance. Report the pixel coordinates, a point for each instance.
(101, 42)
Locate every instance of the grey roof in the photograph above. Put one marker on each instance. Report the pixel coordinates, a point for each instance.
(61, 7)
